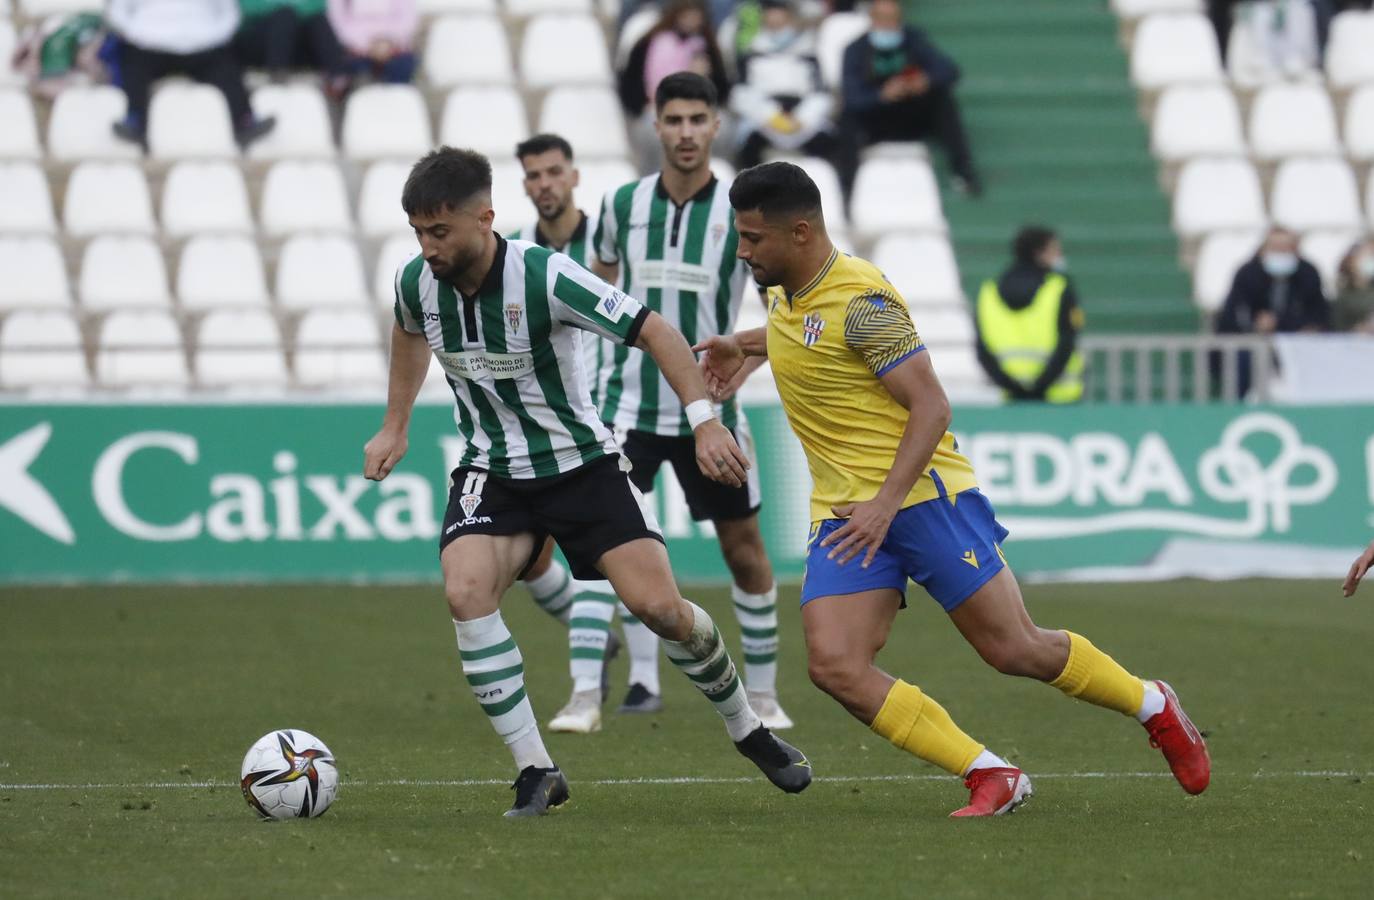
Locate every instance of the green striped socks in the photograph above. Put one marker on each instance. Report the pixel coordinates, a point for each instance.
(593, 607)
(496, 673)
(704, 659)
(758, 624)
(553, 591)
(643, 647)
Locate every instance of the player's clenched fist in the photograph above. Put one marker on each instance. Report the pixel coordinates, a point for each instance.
(718, 456)
(383, 452)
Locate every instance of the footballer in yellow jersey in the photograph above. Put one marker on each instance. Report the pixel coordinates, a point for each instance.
(895, 500)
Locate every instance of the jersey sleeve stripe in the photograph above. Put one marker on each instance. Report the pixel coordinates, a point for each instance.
(888, 367)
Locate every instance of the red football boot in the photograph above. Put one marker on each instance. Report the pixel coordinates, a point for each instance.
(994, 791)
(1175, 735)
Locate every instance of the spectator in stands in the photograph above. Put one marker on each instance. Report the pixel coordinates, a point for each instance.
(898, 86)
(1353, 309)
(190, 37)
(1028, 322)
(780, 100)
(379, 36)
(1280, 28)
(280, 35)
(62, 50)
(1277, 291)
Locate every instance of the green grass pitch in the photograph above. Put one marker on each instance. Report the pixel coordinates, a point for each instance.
(135, 705)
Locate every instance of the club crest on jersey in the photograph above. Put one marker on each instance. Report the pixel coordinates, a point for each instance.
(513, 313)
(717, 234)
(812, 326)
(469, 504)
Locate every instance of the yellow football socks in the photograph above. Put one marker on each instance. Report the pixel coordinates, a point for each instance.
(1094, 676)
(914, 722)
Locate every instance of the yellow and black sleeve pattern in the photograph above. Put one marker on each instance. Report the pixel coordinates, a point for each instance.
(878, 327)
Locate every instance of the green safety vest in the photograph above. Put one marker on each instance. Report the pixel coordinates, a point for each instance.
(1023, 339)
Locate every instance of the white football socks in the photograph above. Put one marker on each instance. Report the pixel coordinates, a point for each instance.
(758, 624)
(593, 607)
(496, 673)
(643, 648)
(1153, 704)
(987, 760)
(704, 659)
(553, 591)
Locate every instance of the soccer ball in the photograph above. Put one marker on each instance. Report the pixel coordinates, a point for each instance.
(289, 774)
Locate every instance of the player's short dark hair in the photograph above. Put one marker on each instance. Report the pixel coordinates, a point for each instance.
(777, 189)
(685, 86)
(1030, 242)
(543, 143)
(445, 178)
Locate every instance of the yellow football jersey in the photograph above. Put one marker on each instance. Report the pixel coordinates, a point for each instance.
(827, 344)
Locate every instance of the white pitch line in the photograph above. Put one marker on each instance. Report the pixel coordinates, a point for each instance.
(684, 780)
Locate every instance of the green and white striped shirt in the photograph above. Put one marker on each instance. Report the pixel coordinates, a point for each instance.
(680, 262)
(513, 356)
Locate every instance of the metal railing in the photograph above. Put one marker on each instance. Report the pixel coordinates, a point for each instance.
(1177, 368)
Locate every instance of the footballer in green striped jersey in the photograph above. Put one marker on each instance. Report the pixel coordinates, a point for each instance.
(499, 316)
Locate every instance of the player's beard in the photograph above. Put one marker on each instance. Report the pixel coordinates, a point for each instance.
(455, 265)
(560, 207)
(701, 160)
(764, 278)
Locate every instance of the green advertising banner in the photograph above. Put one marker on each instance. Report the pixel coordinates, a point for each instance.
(274, 492)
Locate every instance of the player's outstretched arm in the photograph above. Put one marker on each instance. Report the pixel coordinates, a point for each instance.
(409, 362)
(727, 359)
(718, 456)
(1357, 570)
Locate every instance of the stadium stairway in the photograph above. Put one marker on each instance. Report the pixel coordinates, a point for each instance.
(1052, 117)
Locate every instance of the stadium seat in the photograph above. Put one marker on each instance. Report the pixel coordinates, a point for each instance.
(1217, 194)
(1369, 201)
(1349, 61)
(122, 271)
(79, 126)
(590, 118)
(1196, 120)
(752, 312)
(1293, 120)
(832, 198)
(303, 130)
(1325, 250)
(513, 208)
(1218, 258)
(386, 121)
(1359, 124)
(1135, 9)
(339, 350)
(8, 39)
(921, 267)
(723, 169)
(205, 197)
(1315, 193)
(895, 195)
(836, 32)
(240, 349)
(216, 272)
(141, 348)
(189, 121)
(19, 137)
(28, 205)
(490, 120)
(1175, 48)
(107, 197)
(467, 50)
(596, 179)
(34, 274)
(320, 271)
(523, 9)
(35, 9)
(443, 7)
(41, 348)
(379, 201)
(564, 49)
(957, 365)
(944, 326)
(640, 23)
(304, 196)
(395, 251)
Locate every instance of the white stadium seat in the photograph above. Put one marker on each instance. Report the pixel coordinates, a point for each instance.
(1369, 200)
(832, 197)
(386, 121)
(921, 267)
(203, 197)
(564, 49)
(320, 271)
(1325, 250)
(945, 326)
(19, 136)
(379, 200)
(896, 195)
(41, 349)
(80, 125)
(395, 251)
(467, 50)
(302, 130)
(339, 350)
(107, 197)
(1349, 60)
(27, 208)
(34, 274)
(723, 169)
(1196, 120)
(216, 272)
(1218, 258)
(1175, 48)
(523, 9)
(443, 7)
(836, 32)
(121, 272)
(490, 120)
(1315, 193)
(597, 178)
(1134, 9)
(1217, 194)
(304, 196)
(1293, 120)
(640, 23)
(1359, 124)
(142, 348)
(38, 8)
(590, 118)
(8, 39)
(189, 121)
(513, 208)
(240, 349)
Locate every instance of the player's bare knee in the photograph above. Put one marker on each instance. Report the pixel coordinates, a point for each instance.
(837, 674)
(1013, 654)
(663, 616)
(470, 596)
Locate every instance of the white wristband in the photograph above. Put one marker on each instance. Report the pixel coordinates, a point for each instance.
(699, 411)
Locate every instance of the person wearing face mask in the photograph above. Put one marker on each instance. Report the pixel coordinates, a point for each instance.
(1028, 322)
(898, 86)
(1353, 309)
(780, 101)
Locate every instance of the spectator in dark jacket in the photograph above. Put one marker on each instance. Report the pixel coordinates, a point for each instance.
(898, 86)
(1277, 291)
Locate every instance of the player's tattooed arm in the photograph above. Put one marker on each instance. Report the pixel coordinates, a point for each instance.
(1357, 570)
(409, 361)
